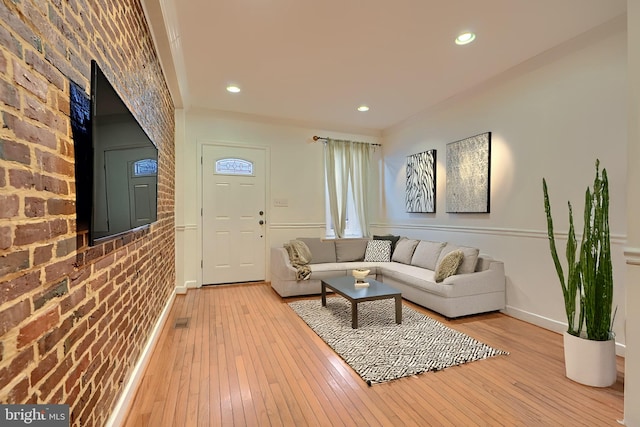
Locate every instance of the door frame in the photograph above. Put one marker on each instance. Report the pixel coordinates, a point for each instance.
(267, 196)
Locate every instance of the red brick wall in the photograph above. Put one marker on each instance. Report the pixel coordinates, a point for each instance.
(74, 318)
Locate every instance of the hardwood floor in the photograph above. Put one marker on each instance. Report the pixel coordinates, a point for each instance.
(246, 359)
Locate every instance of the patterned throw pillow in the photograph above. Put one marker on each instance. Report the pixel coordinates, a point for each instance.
(378, 251)
(448, 265)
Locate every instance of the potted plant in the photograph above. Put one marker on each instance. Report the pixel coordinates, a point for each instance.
(590, 356)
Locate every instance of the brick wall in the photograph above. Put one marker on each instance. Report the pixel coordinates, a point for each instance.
(74, 318)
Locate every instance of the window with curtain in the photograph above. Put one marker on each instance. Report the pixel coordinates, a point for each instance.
(347, 183)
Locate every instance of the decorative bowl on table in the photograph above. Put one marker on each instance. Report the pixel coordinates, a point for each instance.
(360, 275)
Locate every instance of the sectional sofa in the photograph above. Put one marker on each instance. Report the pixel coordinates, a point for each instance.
(476, 285)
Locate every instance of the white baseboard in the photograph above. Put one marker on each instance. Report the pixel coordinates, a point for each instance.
(119, 413)
(550, 324)
(189, 284)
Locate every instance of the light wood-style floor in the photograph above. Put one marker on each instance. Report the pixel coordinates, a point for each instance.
(246, 359)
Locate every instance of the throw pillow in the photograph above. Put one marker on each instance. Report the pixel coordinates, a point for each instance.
(448, 265)
(426, 254)
(321, 250)
(350, 249)
(469, 261)
(404, 251)
(393, 239)
(378, 251)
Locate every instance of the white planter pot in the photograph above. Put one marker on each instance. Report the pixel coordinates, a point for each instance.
(590, 362)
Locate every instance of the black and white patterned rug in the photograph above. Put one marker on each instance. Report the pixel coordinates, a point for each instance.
(380, 350)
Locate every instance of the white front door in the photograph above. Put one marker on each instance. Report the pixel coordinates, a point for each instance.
(233, 214)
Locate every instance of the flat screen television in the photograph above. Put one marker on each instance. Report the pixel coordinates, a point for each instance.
(125, 165)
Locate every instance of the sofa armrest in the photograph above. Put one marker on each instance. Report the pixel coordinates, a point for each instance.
(479, 282)
(281, 266)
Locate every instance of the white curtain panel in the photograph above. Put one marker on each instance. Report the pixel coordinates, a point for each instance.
(347, 162)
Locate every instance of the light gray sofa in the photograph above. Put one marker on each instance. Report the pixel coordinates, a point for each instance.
(478, 285)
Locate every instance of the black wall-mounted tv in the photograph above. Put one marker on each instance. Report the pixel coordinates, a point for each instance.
(125, 165)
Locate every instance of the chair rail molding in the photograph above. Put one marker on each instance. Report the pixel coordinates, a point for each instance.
(632, 256)
(296, 225)
(496, 231)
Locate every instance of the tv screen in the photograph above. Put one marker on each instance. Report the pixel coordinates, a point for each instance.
(125, 165)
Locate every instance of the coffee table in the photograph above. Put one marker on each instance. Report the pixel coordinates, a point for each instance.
(345, 286)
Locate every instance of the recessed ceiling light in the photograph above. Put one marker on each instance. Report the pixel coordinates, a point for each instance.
(465, 38)
(233, 89)
(363, 108)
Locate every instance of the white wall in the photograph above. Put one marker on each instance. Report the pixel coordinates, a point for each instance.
(549, 117)
(632, 367)
(297, 176)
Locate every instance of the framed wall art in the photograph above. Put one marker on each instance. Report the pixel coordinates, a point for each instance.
(468, 174)
(421, 182)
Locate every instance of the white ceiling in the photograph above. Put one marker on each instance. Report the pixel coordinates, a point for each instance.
(315, 61)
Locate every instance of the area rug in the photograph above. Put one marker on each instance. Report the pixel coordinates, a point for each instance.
(380, 350)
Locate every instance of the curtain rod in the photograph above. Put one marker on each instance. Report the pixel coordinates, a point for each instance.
(323, 138)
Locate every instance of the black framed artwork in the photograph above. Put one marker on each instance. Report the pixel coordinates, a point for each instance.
(421, 182)
(469, 174)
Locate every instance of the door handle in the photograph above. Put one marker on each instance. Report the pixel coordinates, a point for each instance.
(261, 222)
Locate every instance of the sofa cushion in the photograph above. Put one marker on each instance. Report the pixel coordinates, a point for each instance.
(350, 249)
(321, 250)
(426, 254)
(448, 265)
(404, 251)
(393, 239)
(378, 250)
(468, 264)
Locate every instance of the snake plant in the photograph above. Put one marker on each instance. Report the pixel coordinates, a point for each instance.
(588, 287)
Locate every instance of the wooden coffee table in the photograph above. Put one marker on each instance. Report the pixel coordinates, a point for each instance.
(345, 286)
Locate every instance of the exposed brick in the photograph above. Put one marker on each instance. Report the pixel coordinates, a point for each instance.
(14, 152)
(97, 315)
(103, 263)
(64, 105)
(28, 132)
(99, 344)
(72, 301)
(54, 185)
(91, 369)
(34, 207)
(57, 290)
(53, 163)
(3, 63)
(30, 81)
(44, 367)
(36, 109)
(14, 262)
(44, 68)
(3, 178)
(79, 332)
(59, 269)
(15, 288)
(56, 377)
(9, 206)
(79, 276)
(74, 375)
(99, 282)
(37, 327)
(18, 393)
(14, 315)
(39, 231)
(42, 254)
(9, 94)
(51, 339)
(61, 207)
(17, 365)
